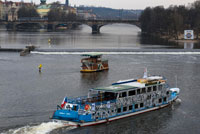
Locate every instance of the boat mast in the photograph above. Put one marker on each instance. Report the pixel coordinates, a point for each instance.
(145, 73)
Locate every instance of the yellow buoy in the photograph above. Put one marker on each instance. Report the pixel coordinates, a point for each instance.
(40, 67)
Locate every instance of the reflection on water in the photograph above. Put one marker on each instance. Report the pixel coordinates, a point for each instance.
(117, 36)
(188, 45)
(93, 78)
(154, 41)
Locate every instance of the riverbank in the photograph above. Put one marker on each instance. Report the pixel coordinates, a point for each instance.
(180, 39)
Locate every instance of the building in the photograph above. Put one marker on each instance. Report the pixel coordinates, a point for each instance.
(9, 9)
(43, 10)
(1, 10)
(67, 3)
(86, 14)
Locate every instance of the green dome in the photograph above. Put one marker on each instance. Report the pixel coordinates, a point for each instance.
(43, 1)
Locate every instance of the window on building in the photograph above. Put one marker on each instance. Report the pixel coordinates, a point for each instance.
(131, 93)
(154, 88)
(124, 109)
(160, 100)
(124, 94)
(141, 104)
(138, 91)
(149, 89)
(119, 110)
(143, 90)
(130, 107)
(136, 106)
(167, 93)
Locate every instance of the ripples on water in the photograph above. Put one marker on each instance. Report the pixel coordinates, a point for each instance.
(118, 36)
(29, 97)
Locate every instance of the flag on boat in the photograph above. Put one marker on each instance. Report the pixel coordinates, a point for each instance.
(64, 102)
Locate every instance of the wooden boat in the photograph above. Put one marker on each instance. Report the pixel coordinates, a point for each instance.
(93, 63)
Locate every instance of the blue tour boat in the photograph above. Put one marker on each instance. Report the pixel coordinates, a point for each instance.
(119, 100)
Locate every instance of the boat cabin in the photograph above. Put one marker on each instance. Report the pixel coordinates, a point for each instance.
(93, 63)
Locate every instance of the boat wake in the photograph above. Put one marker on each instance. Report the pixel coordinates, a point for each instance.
(43, 128)
(178, 101)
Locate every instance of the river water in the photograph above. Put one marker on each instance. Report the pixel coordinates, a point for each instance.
(28, 98)
(116, 36)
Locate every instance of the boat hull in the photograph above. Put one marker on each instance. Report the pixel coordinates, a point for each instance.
(77, 124)
(90, 71)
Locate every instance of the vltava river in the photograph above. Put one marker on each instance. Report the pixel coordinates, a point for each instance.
(28, 98)
(116, 36)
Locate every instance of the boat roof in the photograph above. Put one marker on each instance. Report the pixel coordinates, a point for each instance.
(92, 54)
(121, 87)
(128, 84)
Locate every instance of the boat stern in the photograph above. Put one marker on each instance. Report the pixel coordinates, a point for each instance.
(68, 115)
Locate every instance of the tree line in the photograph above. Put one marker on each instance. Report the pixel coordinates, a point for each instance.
(56, 13)
(171, 22)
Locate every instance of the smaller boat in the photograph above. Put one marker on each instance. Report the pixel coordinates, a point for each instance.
(93, 63)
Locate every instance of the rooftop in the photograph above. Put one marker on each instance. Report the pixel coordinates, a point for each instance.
(114, 88)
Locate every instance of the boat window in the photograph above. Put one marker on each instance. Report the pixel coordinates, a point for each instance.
(159, 87)
(141, 104)
(119, 110)
(130, 107)
(160, 100)
(124, 94)
(75, 108)
(143, 90)
(138, 91)
(154, 88)
(165, 99)
(124, 109)
(131, 92)
(148, 97)
(149, 89)
(110, 96)
(136, 106)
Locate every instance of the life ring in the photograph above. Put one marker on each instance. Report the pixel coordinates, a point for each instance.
(87, 107)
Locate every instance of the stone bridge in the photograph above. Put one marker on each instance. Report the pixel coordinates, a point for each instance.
(97, 24)
(51, 25)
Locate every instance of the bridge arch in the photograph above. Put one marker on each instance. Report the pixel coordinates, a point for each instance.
(97, 24)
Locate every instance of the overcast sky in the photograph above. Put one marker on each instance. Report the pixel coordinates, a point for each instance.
(122, 4)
